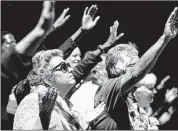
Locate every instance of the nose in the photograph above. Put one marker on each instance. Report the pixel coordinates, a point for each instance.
(79, 58)
(154, 91)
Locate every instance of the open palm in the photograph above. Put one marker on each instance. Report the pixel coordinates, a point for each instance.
(88, 21)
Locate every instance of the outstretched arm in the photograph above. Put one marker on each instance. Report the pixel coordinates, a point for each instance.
(88, 23)
(148, 60)
(62, 19)
(85, 66)
(29, 44)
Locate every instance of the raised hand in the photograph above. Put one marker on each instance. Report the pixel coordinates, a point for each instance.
(88, 21)
(62, 19)
(161, 85)
(171, 27)
(47, 16)
(171, 95)
(113, 38)
(46, 106)
(48, 101)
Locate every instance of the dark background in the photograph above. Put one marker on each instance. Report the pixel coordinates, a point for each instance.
(142, 22)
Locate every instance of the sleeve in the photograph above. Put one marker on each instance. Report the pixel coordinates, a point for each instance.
(19, 66)
(14, 67)
(84, 67)
(67, 47)
(27, 114)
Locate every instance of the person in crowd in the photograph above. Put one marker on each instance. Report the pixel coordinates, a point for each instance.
(74, 58)
(7, 40)
(69, 47)
(14, 62)
(125, 69)
(138, 100)
(159, 89)
(164, 113)
(49, 70)
(89, 87)
(83, 68)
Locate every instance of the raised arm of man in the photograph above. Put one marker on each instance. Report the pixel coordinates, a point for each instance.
(148, 60)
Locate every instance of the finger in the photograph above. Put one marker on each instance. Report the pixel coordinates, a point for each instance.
(51, 93)
(113, 28)
(116, 26)
(120, 36)
(95, 10)
(166, 78)
(96, 20)
(85, 11)
(167, 91)
(172, 16)
(66, 18)
(110, 29)
(54, 96)
(64, 12)
(90, 10)
(47, 94)
(176, 16)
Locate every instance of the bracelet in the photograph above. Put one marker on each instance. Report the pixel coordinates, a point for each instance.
(100, 48)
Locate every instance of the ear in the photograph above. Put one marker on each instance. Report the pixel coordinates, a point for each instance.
(137, 94)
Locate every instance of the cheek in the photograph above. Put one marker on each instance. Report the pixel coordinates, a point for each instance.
(73, 59)
(59, 78)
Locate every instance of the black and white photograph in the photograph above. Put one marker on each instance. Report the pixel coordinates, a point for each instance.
(89, 65)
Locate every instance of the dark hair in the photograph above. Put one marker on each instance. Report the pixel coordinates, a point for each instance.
(3, 33)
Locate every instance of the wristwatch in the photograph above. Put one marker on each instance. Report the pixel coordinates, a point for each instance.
(100, 48)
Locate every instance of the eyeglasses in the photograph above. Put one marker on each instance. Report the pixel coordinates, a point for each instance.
(64, 67)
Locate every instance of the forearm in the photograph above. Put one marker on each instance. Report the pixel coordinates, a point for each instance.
(145, 64)
(78, 34)
(84, 67)
(29, 44)
(148, 60)
(67, 47)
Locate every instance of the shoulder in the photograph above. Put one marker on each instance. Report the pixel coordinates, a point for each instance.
(27, 113)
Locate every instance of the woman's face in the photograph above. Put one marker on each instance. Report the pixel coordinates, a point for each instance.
(74, 58)
(63, 78)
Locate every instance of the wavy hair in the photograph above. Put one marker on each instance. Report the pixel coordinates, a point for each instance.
(41, 72)
(114, 55)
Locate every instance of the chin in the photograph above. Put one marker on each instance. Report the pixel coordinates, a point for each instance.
(72, 82)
